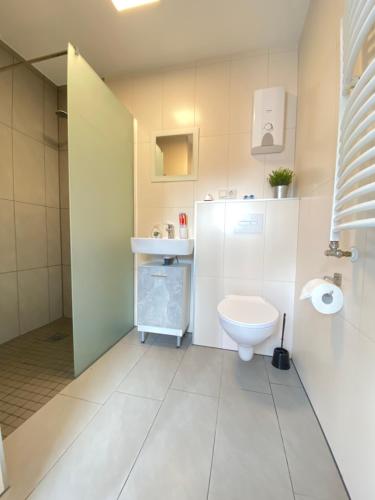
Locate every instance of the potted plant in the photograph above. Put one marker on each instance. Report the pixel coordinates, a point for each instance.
(280, 179)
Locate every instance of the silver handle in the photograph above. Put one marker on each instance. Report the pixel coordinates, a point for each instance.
(159, 275)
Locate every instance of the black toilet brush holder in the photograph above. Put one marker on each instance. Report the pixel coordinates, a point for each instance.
(281, 358)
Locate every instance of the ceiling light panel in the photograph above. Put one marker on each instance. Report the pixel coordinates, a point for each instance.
(131, 4)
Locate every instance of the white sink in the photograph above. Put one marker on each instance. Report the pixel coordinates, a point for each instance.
(162, 246)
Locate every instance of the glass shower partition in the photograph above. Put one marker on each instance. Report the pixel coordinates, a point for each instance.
(100, 139)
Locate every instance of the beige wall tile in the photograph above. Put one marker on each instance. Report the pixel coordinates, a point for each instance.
(29, 175)
(28, 102)
(64, 178)
(51, 157)
(65, 236)
(67, 291)
(51, 131)
(55, 292)
(53, 237)
(6, 168)
(246, 75)
(147, 105)
(178, 103)
(5, 89)
(33, 298)
(7, 237)
(31, 236)
(212, 98)
(213, 166)
(8, 307)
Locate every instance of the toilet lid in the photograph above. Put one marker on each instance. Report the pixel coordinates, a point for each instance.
(249, 310)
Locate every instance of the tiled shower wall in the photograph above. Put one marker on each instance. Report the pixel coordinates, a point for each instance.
(64, 206)
(30, 242)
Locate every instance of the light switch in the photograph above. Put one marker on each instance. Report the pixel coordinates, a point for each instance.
(250, 224)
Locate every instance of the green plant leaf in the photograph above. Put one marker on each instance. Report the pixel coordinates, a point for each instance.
(281, 177)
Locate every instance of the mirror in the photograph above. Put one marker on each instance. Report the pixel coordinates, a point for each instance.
(175, 155)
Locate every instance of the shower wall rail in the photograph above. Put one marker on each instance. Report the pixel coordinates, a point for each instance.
(354, 188)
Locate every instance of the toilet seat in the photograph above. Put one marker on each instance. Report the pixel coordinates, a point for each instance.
(250, 311)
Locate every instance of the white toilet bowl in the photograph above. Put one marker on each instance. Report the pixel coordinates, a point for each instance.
(248, 320)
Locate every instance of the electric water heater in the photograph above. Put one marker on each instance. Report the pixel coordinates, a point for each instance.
(268, 120)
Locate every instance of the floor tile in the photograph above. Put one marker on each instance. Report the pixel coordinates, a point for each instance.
(152, 375)
(97, 464)
(34, 448)
(200, 371)
(104, 376)
(283, 377)
(131, 338)
(249, 460)
(175, 460)
(312, 468)
(249, 375)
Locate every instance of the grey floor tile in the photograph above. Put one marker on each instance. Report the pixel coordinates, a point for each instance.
(200, 371)
(312, 467)
(283, 377)
(249, 460)
(97, 464)
(249, 375)
(170, 340)
(175, 461)
(103, 377)
(152, 375)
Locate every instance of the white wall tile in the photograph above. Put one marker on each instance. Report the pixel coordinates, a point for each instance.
(246, 75)
(51, 131)
(178, 103)
(6, 168)
(149, 193)
(33, 298)
(29, 174)
(209, 239)
(31, 236)
(281, 232)
(51, 157)
(8, 307)
(53, 237)
(5, 88)
(55, 292)
(28, 102)
(7, 237)
(212, 98)
(207, 330)
(280, 295)
(213, 166)
(245, 171)
(243, 253)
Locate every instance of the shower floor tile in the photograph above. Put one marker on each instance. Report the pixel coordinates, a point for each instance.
(34, 367)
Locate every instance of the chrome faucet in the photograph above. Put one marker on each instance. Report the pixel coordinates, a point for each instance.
(335, 251)
(170, 230)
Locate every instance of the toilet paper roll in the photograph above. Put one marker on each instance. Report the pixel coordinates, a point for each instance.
(325, 297)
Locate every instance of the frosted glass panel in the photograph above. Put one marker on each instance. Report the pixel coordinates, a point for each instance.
(100, 133)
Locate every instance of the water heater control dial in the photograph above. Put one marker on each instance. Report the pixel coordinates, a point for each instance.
(268, 126)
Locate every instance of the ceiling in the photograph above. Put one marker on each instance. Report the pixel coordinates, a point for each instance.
(168, 33)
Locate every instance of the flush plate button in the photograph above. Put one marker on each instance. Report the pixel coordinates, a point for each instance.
(250, 224)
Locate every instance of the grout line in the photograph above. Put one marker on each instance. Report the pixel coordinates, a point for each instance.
(281, 434)
(216, 421)
(150, 428)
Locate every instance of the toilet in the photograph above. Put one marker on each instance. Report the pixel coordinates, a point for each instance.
(248, 320)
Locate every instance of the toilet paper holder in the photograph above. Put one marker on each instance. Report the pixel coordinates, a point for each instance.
(336, 279)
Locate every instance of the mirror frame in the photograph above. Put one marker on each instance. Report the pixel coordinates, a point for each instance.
(194, 131)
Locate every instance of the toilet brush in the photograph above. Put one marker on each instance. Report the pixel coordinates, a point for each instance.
(280, 358)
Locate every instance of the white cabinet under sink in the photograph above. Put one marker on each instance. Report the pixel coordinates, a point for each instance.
(163, 299)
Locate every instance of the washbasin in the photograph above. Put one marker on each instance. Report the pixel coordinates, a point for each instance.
(162, 246)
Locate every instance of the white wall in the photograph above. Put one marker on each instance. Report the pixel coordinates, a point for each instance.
(335, 356)
(215, 96)
(228, 262)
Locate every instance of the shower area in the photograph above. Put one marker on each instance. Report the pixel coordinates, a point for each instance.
(40, 352)
(36, 343)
